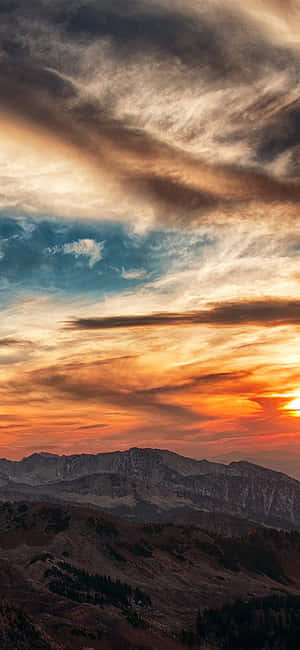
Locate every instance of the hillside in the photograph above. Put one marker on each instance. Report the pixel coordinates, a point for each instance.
(76, 578)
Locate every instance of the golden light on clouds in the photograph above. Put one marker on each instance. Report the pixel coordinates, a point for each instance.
(149, 226)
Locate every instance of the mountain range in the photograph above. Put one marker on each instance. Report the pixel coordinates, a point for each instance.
(152, 485)
(204, 555)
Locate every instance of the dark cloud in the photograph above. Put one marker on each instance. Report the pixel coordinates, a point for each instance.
(10, 342)
(36, 89)
(268, 313)
(141, 162)
(202, 381)
(102, 389)
(194, 39)
(92, 426)
(141, 27)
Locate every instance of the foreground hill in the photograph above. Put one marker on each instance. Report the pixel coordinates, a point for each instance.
(157, 485)
(73, 577)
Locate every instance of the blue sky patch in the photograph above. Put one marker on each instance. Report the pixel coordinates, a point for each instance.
(84, 257)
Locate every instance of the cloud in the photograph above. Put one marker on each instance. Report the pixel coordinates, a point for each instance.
(134, 274)
(87, 248)
(267, 313)
(81, 248)
(280, 21)
(10, 342)
(154, 171)
(110, 384)
(85, 383)
(92, 426)
(171, 123)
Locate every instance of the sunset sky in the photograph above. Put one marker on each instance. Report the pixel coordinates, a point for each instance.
(149, 227)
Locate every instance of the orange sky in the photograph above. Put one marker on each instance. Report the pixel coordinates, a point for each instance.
(149, 231)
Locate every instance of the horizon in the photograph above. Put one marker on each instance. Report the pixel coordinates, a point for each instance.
(149, 230)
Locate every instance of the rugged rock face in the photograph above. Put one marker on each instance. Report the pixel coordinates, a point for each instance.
(45, 468)
(150, 484)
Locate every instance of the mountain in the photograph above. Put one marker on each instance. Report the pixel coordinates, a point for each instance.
(158, 485)
(268, 458)
(45, 468)
(76, 578)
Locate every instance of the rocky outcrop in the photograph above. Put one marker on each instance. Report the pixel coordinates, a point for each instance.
(150, 484)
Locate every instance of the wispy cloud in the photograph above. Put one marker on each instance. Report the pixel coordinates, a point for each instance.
(166, 119)
(81, 248)
(92, 426)
(10, 342)
(134, 274)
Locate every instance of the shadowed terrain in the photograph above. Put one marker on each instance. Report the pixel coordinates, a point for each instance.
(75, 578)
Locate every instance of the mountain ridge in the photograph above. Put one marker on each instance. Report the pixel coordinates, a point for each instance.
(219, 466)
(145, 484)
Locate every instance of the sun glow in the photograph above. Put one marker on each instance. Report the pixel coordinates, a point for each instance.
(293, 407)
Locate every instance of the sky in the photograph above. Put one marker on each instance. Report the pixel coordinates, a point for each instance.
(149, 231)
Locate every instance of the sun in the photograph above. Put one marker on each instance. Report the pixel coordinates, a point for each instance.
(293, 407)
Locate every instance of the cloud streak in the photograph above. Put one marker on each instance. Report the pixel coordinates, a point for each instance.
(10, 342)
(266, 313)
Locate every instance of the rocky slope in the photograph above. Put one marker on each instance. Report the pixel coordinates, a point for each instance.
(75, 578)
(45, 468)
(156, 485)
